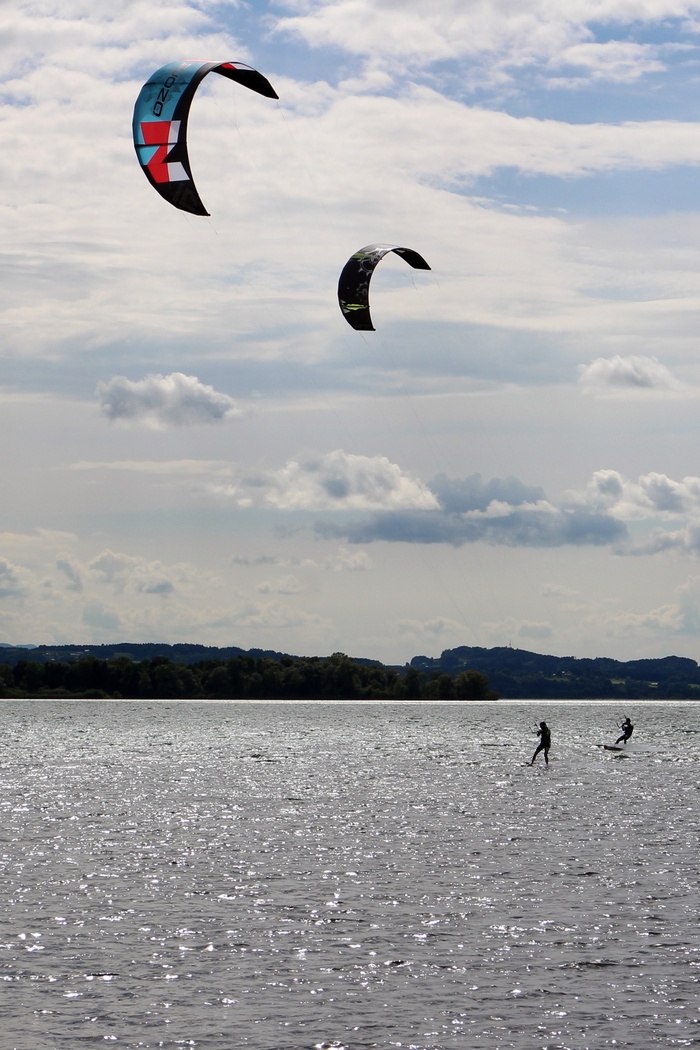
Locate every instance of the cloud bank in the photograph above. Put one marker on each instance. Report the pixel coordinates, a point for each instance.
(499, 37)
(509, 513)
(449, 511)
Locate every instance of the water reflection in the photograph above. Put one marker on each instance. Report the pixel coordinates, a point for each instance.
(347, 876)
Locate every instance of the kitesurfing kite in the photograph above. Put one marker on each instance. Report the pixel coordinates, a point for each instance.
(160, 124)
(353, 285)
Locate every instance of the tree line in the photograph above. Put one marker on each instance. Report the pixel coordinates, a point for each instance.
(239, 678)
(519, 674)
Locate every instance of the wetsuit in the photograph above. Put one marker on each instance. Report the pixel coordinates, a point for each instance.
(627, 729)
(545, 742)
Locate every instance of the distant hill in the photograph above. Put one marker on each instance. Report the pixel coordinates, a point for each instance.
(179, 654)
(182, 653)
(519, 674)
(512, 673)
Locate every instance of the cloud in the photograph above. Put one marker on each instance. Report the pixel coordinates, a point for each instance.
(345, 560)
(652, 495)
(437, 627)
(155, 586)
(663, 541)
(101, 245)
(72, 571)
(631, 372)
(499, 512)
(558, 590)
(256, 560)
(166, 467)
(448, 129)
(342, 560)
(275, 615)
(283, 585)
(567, 599)
(535, 526)
(11, 584)
(96, 615)
(614, 60)
(335, 481)
(680, 618)
(112, 567)
(39, 540)
(125, 572)
(472, 493)
(499, 37)
(651, 498)
(533, 629)
(159, 401)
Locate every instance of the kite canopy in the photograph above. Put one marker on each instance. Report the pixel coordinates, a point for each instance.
(353, 285)
(160, 124)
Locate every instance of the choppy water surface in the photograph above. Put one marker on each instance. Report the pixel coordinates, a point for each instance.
(347, 876)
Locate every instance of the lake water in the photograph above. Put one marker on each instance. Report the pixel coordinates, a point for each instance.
(344, 876)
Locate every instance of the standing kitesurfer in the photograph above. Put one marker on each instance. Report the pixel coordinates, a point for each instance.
(627, 729)
(545, 742)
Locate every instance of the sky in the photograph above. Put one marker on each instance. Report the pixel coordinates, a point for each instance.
(197, 447)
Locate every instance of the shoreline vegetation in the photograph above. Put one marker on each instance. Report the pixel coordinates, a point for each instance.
(196, 672)
(336, 677)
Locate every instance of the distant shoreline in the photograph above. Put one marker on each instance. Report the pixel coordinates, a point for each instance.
(153, 670)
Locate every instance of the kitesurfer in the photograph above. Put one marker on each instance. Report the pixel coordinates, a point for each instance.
(627, 729)
(545, 736)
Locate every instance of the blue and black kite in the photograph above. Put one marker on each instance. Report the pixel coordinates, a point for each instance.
(160, 124)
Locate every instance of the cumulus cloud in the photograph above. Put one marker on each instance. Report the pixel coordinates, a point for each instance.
(11, 585)
(654, 498)
(678, 618)
(652, 495)
(510, 513)
(624, 373)
(159, 401)
(111, 566)
(498, 512)
(71, 571)
(475, 494)
(125, 572)
(335, 481)
(345, 560)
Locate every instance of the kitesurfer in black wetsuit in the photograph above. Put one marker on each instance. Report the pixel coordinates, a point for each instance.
(627, 729)
(545, 742)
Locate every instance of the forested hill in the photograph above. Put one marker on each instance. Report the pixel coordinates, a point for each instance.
(200, 673)
(517, 673)
(150, 669)
(187, 653)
